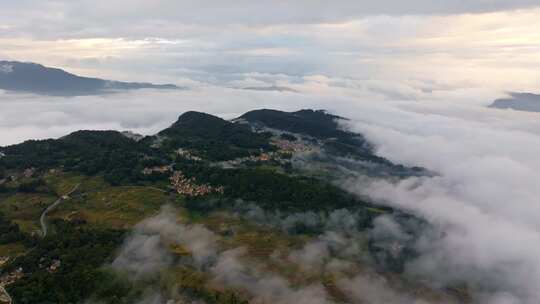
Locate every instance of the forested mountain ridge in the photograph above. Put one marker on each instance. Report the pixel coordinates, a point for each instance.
(327, 130)
(214, 137)
(245, 182)
(528, 102)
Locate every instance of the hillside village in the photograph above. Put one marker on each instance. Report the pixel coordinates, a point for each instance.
(189, 187)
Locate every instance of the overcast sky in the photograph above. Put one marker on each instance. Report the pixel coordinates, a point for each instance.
(418, 45)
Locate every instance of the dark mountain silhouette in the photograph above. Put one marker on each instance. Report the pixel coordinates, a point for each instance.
(272, 88)
(519, 101)
(38, 79)
(216, 138)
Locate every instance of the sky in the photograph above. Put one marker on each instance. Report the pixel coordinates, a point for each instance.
(419, 45)
(415, 77)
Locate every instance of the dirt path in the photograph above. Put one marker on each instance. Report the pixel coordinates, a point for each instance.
(4, 296)
(43, 216)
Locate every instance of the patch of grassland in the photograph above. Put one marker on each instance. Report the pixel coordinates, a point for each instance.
(195, 285)
(95, 202)
(12, 250)
(329, 283)
(92, 183)
(28, 226)
(260, 241)
(62, 183)
(25, 209)
(272, 168)
(113, 207)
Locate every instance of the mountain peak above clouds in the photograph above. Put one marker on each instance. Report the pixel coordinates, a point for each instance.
(528, 102)
(38, 79)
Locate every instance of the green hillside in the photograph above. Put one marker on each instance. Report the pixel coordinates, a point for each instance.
(238, 181)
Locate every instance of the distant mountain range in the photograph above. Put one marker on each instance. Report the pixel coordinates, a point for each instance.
(272, 88)
(519, 101)
(38, 79)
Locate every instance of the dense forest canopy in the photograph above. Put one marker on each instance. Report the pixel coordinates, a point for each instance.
(213, 137)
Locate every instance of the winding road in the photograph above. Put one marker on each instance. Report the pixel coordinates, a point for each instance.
(7, 298)
(42, 219)
(43, 222)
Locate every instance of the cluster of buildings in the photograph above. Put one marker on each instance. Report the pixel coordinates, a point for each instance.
(188, 186)
(4, 296)
(263, 157)
(291, 146)
(27, 173)
(284, 147)
(16, 275)
(3, 260)
(156, 169)
(54, 266)
(188, 154)
(11, 277)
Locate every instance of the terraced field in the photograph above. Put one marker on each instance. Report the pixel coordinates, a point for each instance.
(25, 209)
(114, 207)
(94, 202)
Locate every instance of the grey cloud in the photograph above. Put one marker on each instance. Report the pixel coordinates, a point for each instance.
(265, 288)
(482, 203)
(143, 255)
(386, 227)
(6, 68)
(271, 88)
(312, 257)
(146, 252)
(374, 289)
(93, 18)
(152, 299)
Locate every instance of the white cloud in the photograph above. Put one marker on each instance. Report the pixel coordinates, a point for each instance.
(485, 200)
(6, 68)
(375, 290)
(231, 271)
(95, 17)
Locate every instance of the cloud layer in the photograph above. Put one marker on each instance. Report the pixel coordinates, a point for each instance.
(94, 18)
(485, 200)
